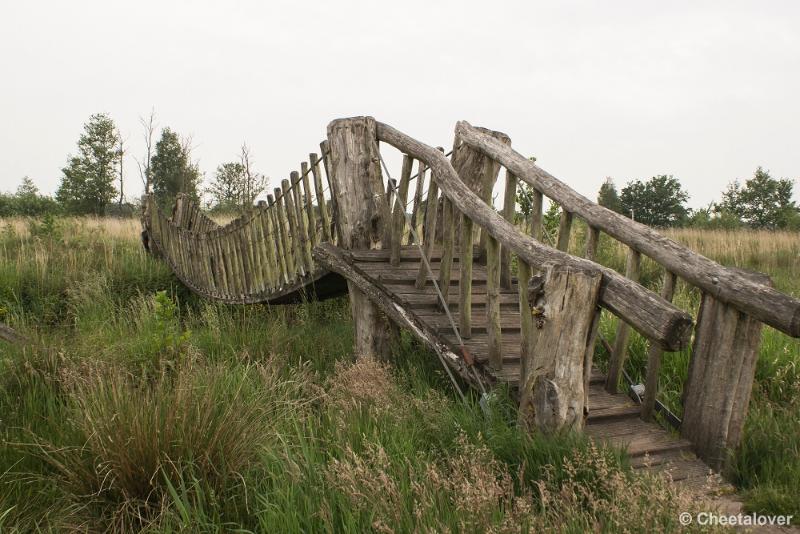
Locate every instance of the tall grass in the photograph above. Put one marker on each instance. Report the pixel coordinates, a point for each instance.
(139, 406)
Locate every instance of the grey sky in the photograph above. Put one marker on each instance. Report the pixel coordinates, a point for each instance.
(706, 91)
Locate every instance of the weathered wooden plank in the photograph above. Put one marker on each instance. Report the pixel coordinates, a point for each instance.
(620, 353)
(399, 213)
(643, 309)
(465, 279)
(325, 154)
(302, 224)
(293, 227)
(448, 239)
(592, 241)
(766, 304)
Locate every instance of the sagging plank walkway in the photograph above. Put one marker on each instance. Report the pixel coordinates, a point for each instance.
(614, 419)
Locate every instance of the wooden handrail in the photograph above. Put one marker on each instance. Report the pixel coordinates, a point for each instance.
(644, 310)
(765, 303)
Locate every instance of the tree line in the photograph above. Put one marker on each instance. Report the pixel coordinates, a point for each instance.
(760, 202)
(93, 182)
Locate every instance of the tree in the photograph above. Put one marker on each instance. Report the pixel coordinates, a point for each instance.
(88, 181)
(236, 185)
(171, 169)
(763, 201)
(658, 202)
(149, 126)
(608, 196)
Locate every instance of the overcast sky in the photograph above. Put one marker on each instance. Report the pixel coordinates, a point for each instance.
(706, 91)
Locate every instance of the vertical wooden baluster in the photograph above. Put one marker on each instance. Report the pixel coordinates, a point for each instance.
(291, 219)
(509, 208)
(527, 332)
(244, 254)
(564, 229)
(654, 354)
(617, 361)
(448, 240)
(309, 202)
(216, 256)
(465, 280)
(268, 244)
(493, 302)
(399, 215)
(257, 255)
(236, 257)
(302, 225)
(537, 212)
(429, 230)
(592, 241)
(325, 154)
(281, 239)
(321, 203)
(230, 264)
(415, 215)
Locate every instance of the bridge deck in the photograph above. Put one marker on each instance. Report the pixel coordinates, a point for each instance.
(612, 418)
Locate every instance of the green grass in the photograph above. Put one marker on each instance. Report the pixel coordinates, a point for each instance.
(140, 407)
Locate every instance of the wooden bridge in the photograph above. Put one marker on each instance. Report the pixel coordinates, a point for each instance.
(430, 253)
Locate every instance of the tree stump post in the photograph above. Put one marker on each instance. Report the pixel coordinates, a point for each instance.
(360, 199)
(720, 379)
(564, 307)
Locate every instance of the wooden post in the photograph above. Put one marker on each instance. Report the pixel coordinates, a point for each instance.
(429, 230)
(527, 332)
(493, 303)
(288, 249)
(617, 361)
(553, 386)
(465, 280)
(361, 202)
(592, 240)
(654, 353)
(415, 210)
(478, 171)
(309, 203)
(399, 214)
(509, 209)
(318, 189)
(302, 224)
(720, 378)
(325, 155)
(564, 229)
(448, 238)
(537, 212)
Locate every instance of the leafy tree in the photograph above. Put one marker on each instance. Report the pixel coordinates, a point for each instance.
(763, 201)
(659, 202)
(88, 181)
(235, 184)
(171, 169)
(608, 196)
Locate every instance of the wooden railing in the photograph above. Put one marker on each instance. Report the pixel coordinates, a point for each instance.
(260, 256)
(734, 303)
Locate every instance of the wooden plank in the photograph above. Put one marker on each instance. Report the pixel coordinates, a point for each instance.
(293, 228)
(592, 241)
(429, 231)
(766, 304)
(448, 238)
(302, 225)
(416, 219)
(465, 279)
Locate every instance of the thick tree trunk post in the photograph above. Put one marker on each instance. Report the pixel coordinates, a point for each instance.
(478, 171)
(620, 354)
(720, 379)
(553, 388)
(360, 200)
(509, 209)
